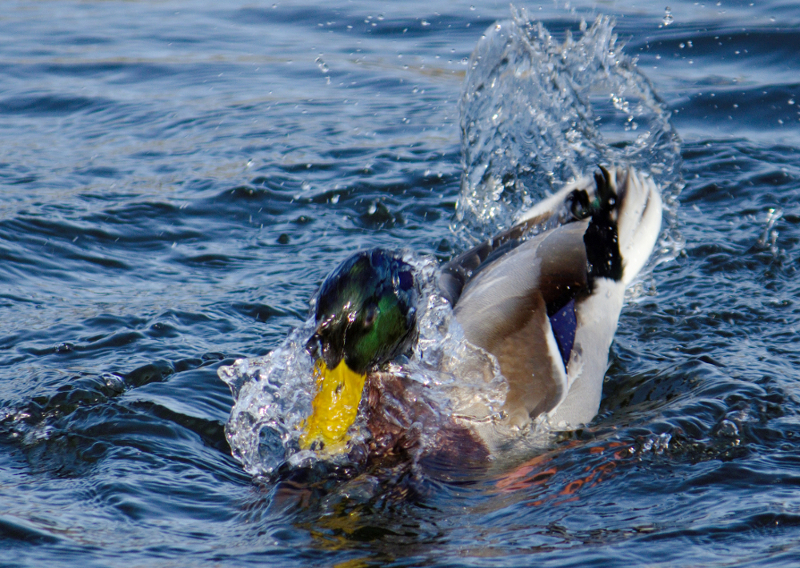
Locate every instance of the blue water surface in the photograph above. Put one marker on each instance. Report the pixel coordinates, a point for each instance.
(179, 176)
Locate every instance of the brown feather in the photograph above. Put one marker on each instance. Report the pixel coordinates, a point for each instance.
(504, 310)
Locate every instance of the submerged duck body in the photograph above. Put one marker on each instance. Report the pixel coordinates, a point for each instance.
(543, 298)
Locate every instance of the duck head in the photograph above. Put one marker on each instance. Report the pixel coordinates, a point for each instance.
(365, 316)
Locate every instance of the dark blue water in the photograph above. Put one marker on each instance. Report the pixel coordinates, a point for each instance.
(178, 178)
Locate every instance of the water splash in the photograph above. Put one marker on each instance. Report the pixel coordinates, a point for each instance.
(769, 238)
(272, 397)
(465, 379)
(273, 394)
(536, 112)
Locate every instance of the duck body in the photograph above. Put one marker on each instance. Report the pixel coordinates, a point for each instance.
(543, 298)
(548, 308)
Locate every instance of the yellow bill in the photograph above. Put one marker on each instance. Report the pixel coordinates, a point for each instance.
(334, 407)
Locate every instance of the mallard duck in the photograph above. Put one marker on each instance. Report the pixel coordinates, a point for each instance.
(542, 297)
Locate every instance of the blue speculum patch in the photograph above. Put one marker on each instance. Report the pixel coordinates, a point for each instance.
(564, 323)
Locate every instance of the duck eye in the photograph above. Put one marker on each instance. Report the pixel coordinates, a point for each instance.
(370, 316)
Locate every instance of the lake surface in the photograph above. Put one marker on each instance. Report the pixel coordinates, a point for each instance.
(179, 177)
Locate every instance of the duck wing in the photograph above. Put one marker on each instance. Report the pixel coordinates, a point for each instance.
(546, 306)
(506, 308)
(571, 203)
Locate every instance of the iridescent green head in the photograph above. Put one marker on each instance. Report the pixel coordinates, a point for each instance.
(366, 311)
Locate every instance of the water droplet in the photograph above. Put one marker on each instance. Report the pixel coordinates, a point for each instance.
(668, 19)
(321, 64)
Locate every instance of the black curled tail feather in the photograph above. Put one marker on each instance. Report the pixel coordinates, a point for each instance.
(601, 239)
